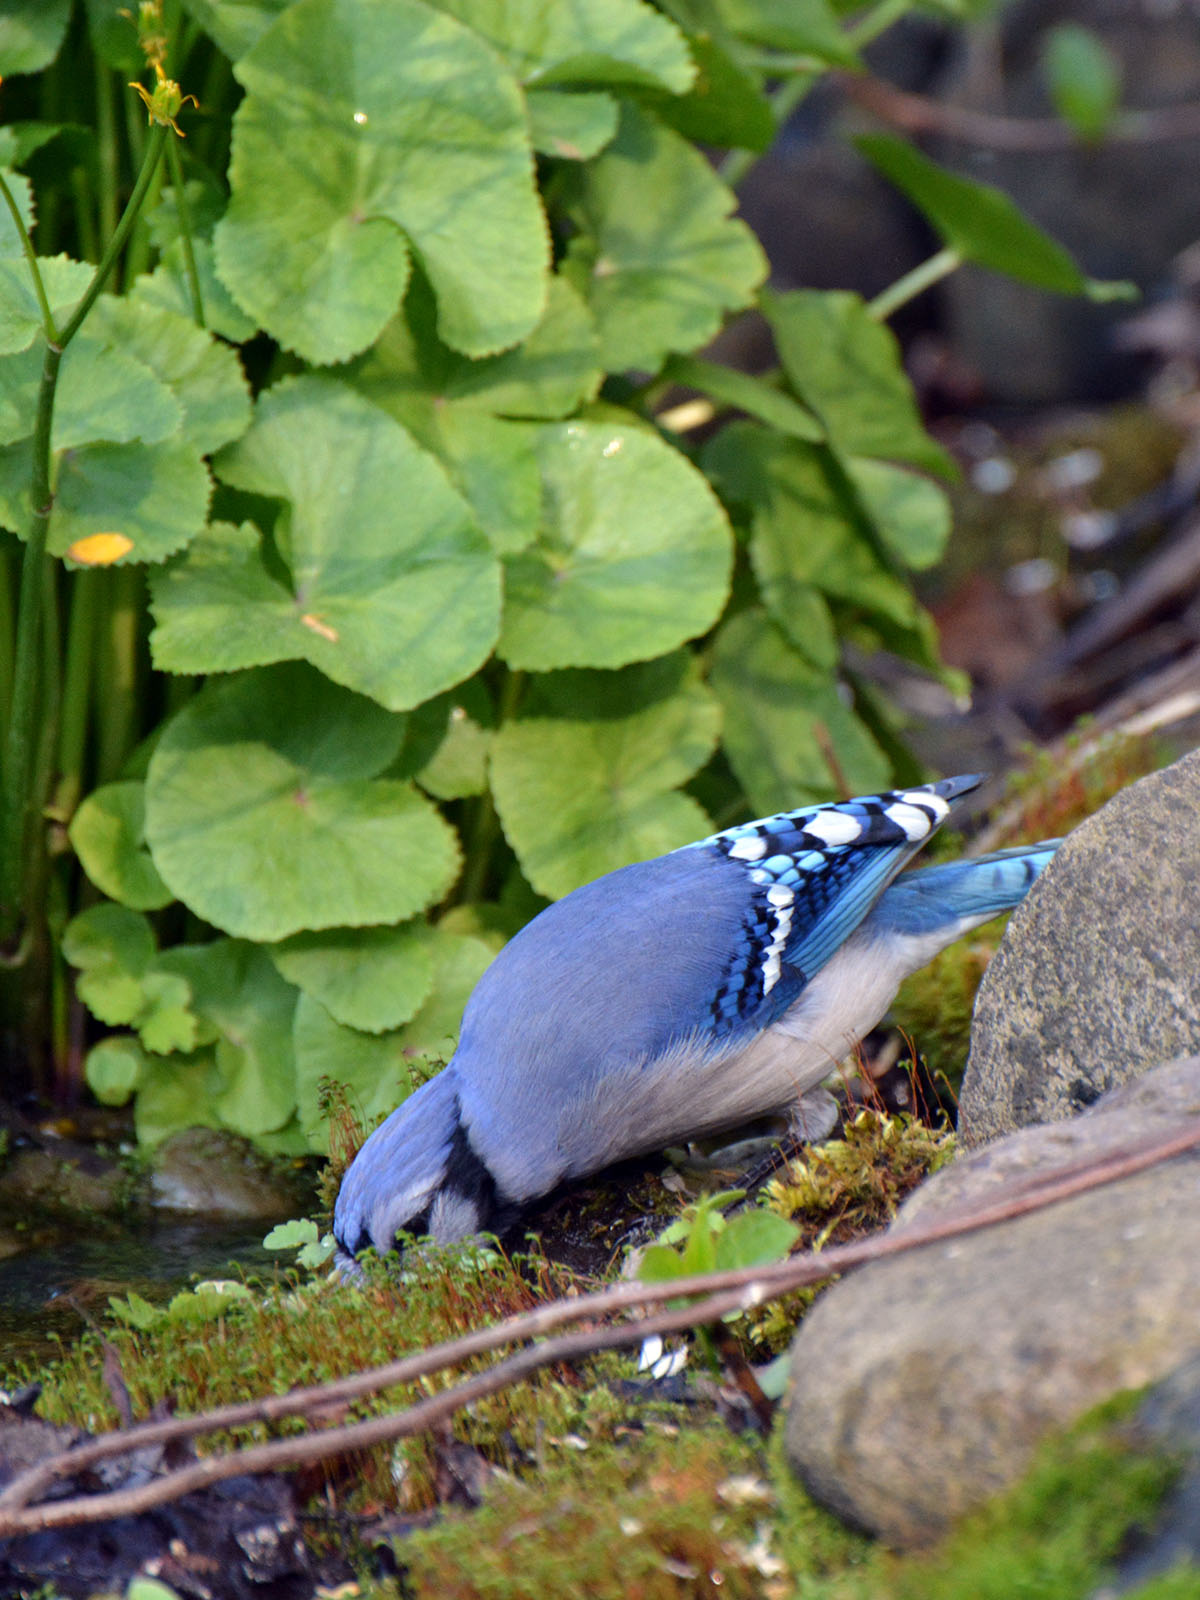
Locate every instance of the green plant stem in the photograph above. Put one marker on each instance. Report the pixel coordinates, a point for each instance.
(22, 803)
(39, 288)
(877, 21)
(87, 232)
(23, 799)
(77, 690)
(175, 167)
(7, 631)
(154, 147)
(116, 710)
(108, 153)
(913, 283)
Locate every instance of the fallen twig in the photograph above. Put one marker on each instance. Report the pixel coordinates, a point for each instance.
(723, 1292)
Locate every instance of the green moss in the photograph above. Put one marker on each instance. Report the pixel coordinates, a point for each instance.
(660, 1515)
(1181, 1583)
(851, 1185)
(286, 1337)
(1054, 1535)
(828, 1560)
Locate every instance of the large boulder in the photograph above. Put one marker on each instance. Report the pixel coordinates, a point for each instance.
(922, 1384)
(1098, 977)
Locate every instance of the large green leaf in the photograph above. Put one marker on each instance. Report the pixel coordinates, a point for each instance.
(154, 495)
(390, 588)
(204, 375)
(30, 35)
(264, 815)
(572, 127)
(725, 106)
(181, 1092)
(804, 27)
(657, 254)
(846, 367)
(979, 220)
(236, 24)
(368, 978)
(381, 1070)
(107, 833)
(781, 716)
(580, 797)
(64, 280)
(588, 41)
(416, 377)
(103, 394)
(632, 558)
(121, 981)
(463, 410)
(237, 990)
(366, 123)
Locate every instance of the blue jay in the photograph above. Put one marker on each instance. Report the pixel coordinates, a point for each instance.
(669, 1000)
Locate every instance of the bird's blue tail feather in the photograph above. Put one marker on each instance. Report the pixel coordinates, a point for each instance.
(931, 897)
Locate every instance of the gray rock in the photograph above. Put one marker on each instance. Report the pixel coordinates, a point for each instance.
(60, 1175)
(209, 1170)
(1098, 976)
(921, 1385)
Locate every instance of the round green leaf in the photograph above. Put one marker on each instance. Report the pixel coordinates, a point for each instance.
(619, 41)
(581, 798)
(633, 556)
(30, 35)
(114, 1068)
(204, 375)
(463, 411)
(368, 978)
(781, 715)
(412, 375)
(392, 589)
(237, 990)
(658, 256)
(459, 765)
(572, 127)
(107, 833)
(235, 24)
(263, 815)
(178, 1092)
(381, 1070)
(338, 153)
(156, 495)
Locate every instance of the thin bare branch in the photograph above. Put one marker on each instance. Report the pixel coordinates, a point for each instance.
(916, 114)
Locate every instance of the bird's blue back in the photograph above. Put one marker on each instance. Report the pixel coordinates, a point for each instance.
(690, 951)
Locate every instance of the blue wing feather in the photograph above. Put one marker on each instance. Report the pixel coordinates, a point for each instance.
(812, 876)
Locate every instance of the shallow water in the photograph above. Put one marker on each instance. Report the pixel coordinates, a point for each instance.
(47, 1294)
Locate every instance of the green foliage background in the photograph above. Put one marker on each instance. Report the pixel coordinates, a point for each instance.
(442, 621)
